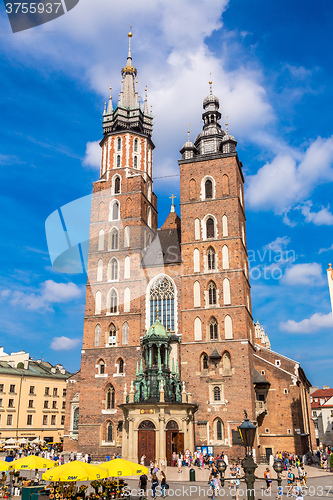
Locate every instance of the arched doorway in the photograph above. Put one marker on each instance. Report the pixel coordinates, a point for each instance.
(174, 440)
(146, 441)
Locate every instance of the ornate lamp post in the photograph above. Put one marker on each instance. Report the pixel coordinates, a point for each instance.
(221, 467)
(278, 467)
(247, 433)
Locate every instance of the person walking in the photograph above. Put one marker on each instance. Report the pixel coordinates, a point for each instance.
(154, 484)
(143, 481)
(180, 463)
(163, 484)
(212, 486)
(268, 481)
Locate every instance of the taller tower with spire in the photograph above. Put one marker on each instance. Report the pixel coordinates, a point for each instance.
(123, 222)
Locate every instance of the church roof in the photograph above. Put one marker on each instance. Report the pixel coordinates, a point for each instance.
(164, 249)
(259, 379)
(171, 222)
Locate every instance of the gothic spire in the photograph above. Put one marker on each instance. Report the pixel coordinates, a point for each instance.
(128, 90)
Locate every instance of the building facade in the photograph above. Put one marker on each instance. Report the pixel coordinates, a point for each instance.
(32, 398)
(192, 275)
(322, 415)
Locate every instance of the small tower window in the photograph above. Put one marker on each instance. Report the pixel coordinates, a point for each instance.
(113, 302)
(114, 269)
(208, 189)
(135, 145)
(212, 293)
(109, 433)
(110, 398)
(217, 393)
(115, 211)
(114, 239)
(121, 366)
(210, 228)
(204, 362)
(213, 329)
(101, 367)
(119, 144)
(211, 258)
(118, 161)
(135, 162)
(117, 185)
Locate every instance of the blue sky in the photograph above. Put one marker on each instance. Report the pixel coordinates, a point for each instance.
(271, 68)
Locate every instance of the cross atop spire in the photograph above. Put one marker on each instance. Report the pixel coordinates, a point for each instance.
(210, 84)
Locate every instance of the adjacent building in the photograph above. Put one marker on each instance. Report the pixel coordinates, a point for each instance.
(322, 415)
(188, 280)
(32, 398)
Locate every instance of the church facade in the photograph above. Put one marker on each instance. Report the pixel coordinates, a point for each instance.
(170, 349)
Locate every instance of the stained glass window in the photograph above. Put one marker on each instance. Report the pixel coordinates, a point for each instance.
(162, 298)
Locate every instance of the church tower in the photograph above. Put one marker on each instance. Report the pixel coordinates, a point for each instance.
(123, 221)
(217, 326)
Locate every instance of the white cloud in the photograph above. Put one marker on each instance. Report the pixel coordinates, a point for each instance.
(64, 343)
(278, 245)
(321, 218)
(170, 51)
(322, 250)
(93, 155)
(284, 182)
(304, 274)
(311, 325)
(49, 293)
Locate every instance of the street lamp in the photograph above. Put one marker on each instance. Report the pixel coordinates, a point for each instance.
(247, 432)
(221, 466)
(278, 467)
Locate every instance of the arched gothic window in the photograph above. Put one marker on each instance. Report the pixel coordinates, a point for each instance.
(98, 302)
(118, 161)
(226, 363)
(219, 430)
(114, 239)
(208, 189)
(193, 189)
(113, 269)
(213, 330)
(135, 162)
(211, 293)
(121, 365)
(162, 297)
(112, 334)
(115, 211)
(135, 145)
(101, 367)
(217, 393)
(101, 240)
(204, 361)
(211, 258)
(113, 302)
(125, 333)
(110, 398)
(210, 228)
(119, 144)
(98, 335)
(109, 433)
(117, 185)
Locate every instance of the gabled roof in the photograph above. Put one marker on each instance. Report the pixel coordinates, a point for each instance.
(259, 379)
(322, 393)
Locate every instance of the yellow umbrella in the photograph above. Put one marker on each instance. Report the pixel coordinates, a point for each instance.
(75, 471)
(4, 465)
(32, 462)
(120, 467)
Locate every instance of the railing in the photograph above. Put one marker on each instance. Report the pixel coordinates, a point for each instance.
(261, 407)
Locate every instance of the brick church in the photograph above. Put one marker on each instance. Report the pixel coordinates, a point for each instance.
(171, 356)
